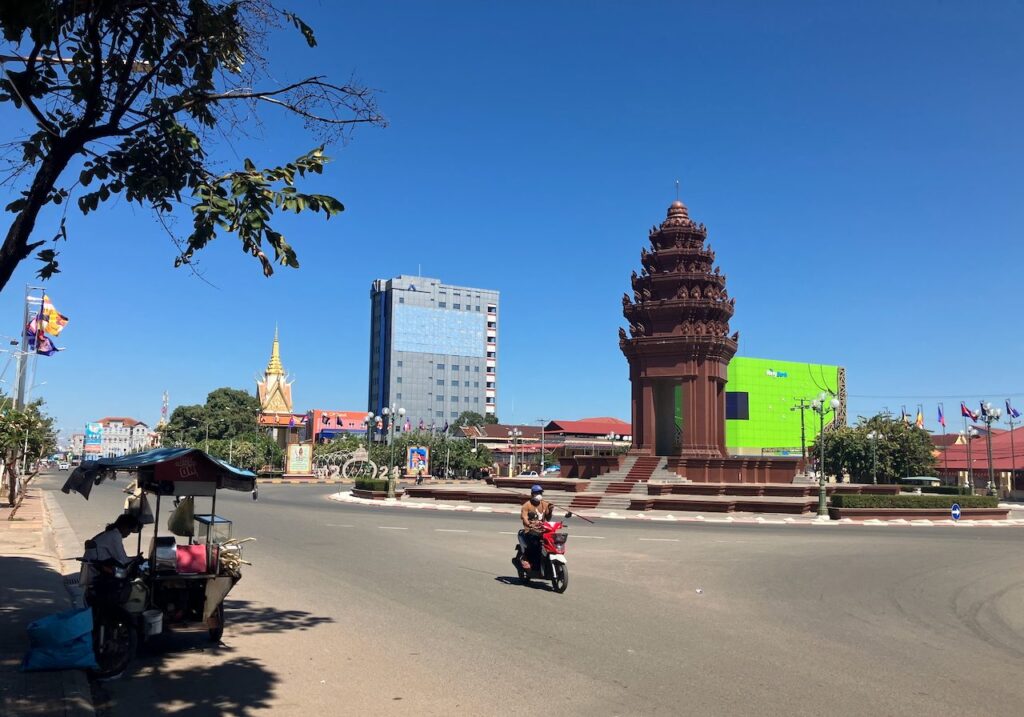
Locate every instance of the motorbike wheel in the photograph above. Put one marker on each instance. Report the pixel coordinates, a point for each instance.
(115, 651)
(561, 579)
(216, 633)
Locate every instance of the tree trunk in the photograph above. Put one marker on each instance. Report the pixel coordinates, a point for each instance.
(16, 246)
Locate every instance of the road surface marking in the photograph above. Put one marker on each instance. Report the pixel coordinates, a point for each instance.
(660, 540)
(507, 532)
(336, 525)
(390, 527)
(590, 537)
(449, 530)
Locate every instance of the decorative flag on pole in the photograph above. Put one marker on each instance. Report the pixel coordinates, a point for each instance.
(421, 424)
(408, 425)
(445, 430)
(55, 321)
(904, 416)
(38, 341)
(967, 413)
(1011, 411)
(942, 416)
(919, 421)
(984, 413)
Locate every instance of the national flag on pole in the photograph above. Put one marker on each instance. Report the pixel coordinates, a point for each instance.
(55, 321)
(408, 425)
(421, 424)
(38, 341)
(1011, 411)
(967, 413)
(984, 413)
(291, 422)
(904, 416)
(919, 421)
(942, 416)
(445, 430)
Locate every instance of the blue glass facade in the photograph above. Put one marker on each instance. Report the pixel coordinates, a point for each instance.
(422, 329)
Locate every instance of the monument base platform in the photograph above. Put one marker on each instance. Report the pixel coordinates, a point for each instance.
(735, 470)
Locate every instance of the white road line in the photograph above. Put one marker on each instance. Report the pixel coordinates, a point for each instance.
(336, 525)
(660, 540)
(589, 537)
(449, 530)
(507, 532)
(390, 527)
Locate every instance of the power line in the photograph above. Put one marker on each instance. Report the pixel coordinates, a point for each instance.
(955, 397)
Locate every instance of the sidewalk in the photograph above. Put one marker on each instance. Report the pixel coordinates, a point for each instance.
(32, 586)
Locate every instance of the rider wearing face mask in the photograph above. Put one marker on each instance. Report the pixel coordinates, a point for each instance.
(532, 513)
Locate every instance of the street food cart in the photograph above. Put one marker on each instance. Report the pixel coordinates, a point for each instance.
(177, 583)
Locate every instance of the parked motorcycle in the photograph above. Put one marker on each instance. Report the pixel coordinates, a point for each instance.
(114, 629)
(552, 565)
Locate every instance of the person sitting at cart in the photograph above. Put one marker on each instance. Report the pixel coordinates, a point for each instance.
(110, 543)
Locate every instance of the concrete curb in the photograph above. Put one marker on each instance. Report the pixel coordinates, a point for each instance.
(62, 541)
(719, 519)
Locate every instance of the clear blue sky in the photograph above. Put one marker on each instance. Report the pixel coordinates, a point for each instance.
(859, 168)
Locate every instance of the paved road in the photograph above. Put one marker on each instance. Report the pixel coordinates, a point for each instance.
(379, 611)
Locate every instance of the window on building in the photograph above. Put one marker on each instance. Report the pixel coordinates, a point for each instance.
(442, 304)
(490, 384)
(455, 367)
(476, 399)
(456, 306)
(439, 397)
(455, 383)
(490, 399)
(401, 299)
(492, 309)
(490, 354)
(399, 364)
(455, 414)
(476, 369)
(478, 308)
(476, 384)
(737, 405)
(439, 414)
(440, 382)
(492, 324)
(398, 396)
(455, 399)
(398, 379)
(440, 367)
(466, 384)
(466, 368)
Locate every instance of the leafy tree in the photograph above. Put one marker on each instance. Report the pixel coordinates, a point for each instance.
(228, 413)
(491, 419)
(901, 450)
(25, 436)
(460, 453)
(252, 451)
(469, 418)
(132, 95)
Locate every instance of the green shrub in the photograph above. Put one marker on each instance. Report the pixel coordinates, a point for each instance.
(367, 484)
(914, 501)
(946, 489)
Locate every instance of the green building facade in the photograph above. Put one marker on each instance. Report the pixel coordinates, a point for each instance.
(763, 399)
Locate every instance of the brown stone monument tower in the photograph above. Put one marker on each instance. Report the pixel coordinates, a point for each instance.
(679, 348)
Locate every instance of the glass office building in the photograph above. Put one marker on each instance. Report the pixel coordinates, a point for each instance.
(433, 349)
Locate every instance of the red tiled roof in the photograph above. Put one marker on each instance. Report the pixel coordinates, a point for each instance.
(954, 457)
(499, 431)
(948, 439)
(130, 422)
(591, 427)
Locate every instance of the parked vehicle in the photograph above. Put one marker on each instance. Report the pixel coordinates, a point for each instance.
(527, 474)
(552, 565)
(63, 466)
(174, 585)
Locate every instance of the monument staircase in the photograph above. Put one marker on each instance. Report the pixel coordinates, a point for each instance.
(614, 490)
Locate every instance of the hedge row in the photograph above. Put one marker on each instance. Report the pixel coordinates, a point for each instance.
(946, 489)
(914, 501)
(367, 484)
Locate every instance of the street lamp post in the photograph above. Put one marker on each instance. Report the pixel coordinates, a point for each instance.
(992, 415)
(219, 420)
(542, 423)
(968, 436)
(873, 436)
(1013, 456)
(513, 437)
(369, 420)
(393, 414)
(820, 406)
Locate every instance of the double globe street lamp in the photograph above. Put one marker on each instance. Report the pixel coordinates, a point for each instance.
(968, 437)
(392, 414)
(874, 437)
(820, 405)
(513, 437)
(991, 415)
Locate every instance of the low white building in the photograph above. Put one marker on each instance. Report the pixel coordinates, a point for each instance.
(122, 435)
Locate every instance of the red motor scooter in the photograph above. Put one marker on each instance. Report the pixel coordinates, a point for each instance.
(552, 565)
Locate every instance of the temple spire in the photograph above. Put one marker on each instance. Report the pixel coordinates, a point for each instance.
(274, 367)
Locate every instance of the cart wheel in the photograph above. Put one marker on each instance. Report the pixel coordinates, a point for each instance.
(216, 633)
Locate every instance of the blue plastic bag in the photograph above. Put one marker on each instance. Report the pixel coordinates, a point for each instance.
(60, 628)
(61, 642)
(76, 654)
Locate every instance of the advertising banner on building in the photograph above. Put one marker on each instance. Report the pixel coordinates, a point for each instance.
(417, 459)
(93, 441)
(300, 459)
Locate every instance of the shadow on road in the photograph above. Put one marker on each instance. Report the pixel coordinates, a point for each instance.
(247, 618)
(513, 580)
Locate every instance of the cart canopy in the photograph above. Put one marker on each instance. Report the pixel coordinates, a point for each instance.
(162, 470)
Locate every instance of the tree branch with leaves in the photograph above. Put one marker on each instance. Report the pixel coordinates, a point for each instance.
(132, 90)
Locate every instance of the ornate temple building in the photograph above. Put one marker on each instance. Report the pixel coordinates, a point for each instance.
(274, 391)
(679, 346)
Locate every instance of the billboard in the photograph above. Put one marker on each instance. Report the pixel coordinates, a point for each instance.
(93, 441)
(762, 399)
(324, 425)
(300, 459)
(417, 459)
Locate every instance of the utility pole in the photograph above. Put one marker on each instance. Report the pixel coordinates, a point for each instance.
(804, 405)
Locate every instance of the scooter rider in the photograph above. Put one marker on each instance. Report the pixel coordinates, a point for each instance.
(532, 513)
